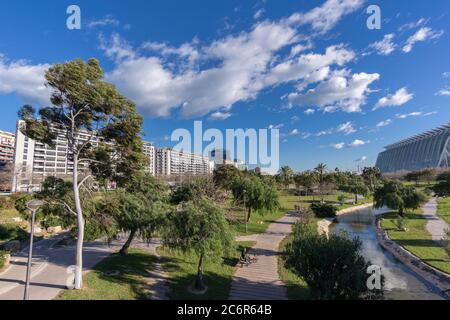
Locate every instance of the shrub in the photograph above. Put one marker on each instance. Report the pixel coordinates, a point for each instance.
(400, 223)
(324, 210)
(12, 232)
(52, 221)
(333, 267)
(3, 255)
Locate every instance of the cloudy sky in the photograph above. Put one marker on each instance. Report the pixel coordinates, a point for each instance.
(337, 90)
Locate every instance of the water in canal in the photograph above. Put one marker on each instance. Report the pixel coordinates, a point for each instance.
(400, 282)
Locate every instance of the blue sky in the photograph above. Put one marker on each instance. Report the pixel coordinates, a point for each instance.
(338, 91)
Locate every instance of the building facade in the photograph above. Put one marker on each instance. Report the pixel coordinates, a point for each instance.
(150, 151)
(427, 150)
(7, 143)
(170, 162)
(35, 161)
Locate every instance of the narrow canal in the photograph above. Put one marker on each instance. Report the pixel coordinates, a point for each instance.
(400, 282)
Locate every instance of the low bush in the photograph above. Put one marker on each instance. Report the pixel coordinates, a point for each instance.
(324, 210)
(3, 255)
(12, 232)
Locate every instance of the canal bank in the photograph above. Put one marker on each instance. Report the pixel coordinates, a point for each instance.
(401, 281)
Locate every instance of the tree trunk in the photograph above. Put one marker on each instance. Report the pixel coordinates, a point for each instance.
(356, 198)
(126, 246)
(199, 284)
(80, 224)
(249, 214)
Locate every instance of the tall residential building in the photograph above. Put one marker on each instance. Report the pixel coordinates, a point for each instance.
(35, 161)
(170, 162)
(427, 150)
(150, 152)
(6, 147)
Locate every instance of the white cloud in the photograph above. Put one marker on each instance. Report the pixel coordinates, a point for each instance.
(422, 34)
(357, 143)
(278, 126)
(106, 21)
(415, 114)
(446, 74)
(444, 92)
(247, 66)
(309, 111)
(294, 132)
(362, 159)
(346, 128)
(220, 115)
(24, 79)
(412, 25)
(386, 46)
(338, 146)
(258, 14)
(384, 123)
(340, 91)
(325, 17)
(399, 98)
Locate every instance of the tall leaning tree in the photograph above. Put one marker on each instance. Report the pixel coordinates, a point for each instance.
(84, 107)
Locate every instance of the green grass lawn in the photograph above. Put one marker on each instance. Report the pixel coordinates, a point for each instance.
(130, 282)
(182, 270)
(417, 239)
(297, 289)
(444, 208)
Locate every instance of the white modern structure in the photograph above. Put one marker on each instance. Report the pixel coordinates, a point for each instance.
(170, 162)
(427, 150)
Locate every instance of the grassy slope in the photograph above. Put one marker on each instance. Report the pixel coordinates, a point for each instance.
(444, 208)
(417, 240)
(129, 284)
(182, 270)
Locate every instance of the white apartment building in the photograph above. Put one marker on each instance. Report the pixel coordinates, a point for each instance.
(6, 147)
(35, 161)
(171, 162)
(150, 151)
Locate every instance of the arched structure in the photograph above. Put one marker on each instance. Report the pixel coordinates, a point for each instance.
(427, 150)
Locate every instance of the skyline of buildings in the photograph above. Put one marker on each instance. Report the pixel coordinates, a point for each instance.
(34, 161)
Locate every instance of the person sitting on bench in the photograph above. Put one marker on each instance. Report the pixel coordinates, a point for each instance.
(245, 258)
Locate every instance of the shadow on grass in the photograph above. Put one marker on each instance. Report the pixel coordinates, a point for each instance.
(117, 277)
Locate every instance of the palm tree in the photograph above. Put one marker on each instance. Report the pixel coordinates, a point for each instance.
(286, 174)
(321, 170)
(371, 176)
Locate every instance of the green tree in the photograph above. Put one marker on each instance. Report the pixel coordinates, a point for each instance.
(442, 188)
(356, 186)
(224, 176)
(255, 195)
(200, 228)
(140, 208)
(306, 179)
(394, 195)
(321, 170)
(84, 106)
(196, 190)
(371, 176)
(333, 267)
(285, 176)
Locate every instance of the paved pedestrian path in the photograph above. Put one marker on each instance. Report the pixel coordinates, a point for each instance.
(50, 263)
(260, 281)
(436, 226)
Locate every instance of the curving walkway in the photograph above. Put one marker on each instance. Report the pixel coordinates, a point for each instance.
(436, 226)
(260, 281)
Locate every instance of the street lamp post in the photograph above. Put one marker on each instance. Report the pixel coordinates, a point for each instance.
(245, 213)
(33, 206)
